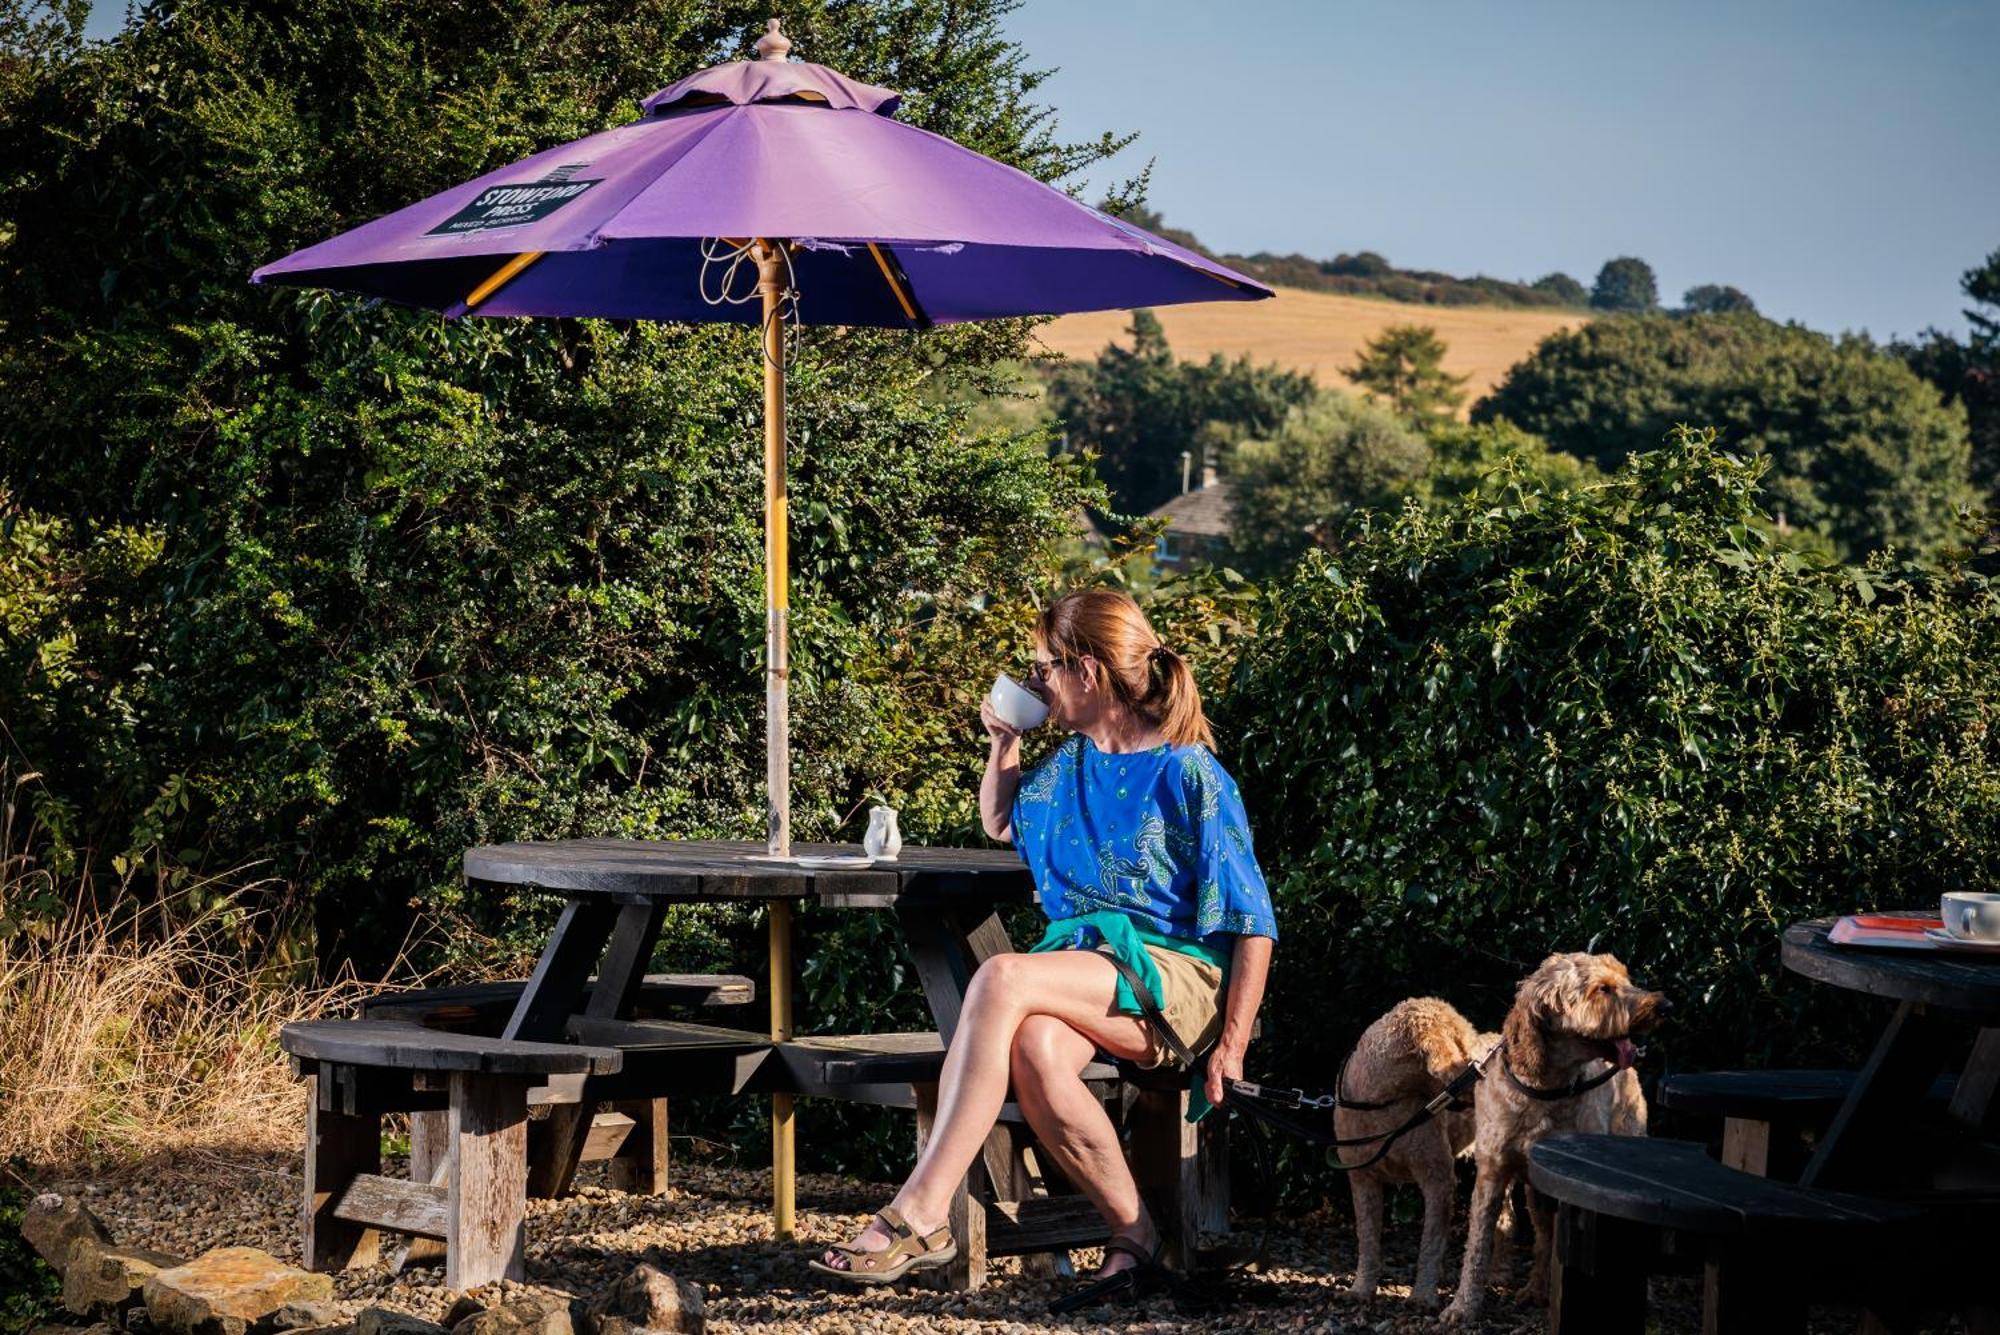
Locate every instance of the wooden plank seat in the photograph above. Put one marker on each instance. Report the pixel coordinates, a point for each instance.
(484, 1007)
(1628, 1206)
(355, 1070)
(400, 1045)
(1766, 1115)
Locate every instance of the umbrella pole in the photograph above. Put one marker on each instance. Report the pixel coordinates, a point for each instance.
(771, 285)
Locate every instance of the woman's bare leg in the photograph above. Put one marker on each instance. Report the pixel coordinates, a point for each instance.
(1074, 986)
(1072, 1127)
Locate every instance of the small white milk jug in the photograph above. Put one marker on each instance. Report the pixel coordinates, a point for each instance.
(883, 840)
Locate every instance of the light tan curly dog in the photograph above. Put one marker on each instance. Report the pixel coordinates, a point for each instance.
(1401, 1062)
(1570, 1017)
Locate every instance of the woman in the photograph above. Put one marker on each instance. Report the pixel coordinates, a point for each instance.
(1139, 846)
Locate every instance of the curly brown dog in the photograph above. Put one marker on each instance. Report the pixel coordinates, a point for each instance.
(1570, 1015)
(1402, 1061)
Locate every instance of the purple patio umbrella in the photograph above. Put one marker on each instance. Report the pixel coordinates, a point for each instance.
(800, 174)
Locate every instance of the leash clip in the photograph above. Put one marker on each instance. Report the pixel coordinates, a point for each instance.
(1284, 1098)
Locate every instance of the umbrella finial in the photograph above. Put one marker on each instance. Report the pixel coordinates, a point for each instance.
(773, 45)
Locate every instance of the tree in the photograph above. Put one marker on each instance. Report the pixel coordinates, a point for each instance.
(1626, 284)
(1709, 299)
(1859, 447)
(1138, 408)
(1968, 371)
(1292, 489)
(1366, 264)
(1494, 459)
(1404, 365)
(1564, 288)
(349, 588)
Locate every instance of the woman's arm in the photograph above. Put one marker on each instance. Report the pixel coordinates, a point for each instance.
(1002, 777)
(1249, 967)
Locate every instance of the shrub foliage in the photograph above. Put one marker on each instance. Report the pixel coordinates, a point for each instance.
(344, 588)
(1610, 717)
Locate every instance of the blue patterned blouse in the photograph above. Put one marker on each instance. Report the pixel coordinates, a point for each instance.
(1160, 835)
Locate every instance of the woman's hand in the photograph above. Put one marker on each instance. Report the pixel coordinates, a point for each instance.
(1225, 1062)
(1002, 732)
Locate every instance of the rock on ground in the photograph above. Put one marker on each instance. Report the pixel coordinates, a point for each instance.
(222, 1291)
(533, 1315)
(385, 1321)
(105, 1280)
(648, 1299)
(54, 1226)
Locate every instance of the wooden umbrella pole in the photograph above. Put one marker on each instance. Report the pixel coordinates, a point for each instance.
(772, 274)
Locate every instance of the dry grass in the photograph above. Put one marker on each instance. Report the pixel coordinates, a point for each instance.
(1322, 331)
(143, 1027)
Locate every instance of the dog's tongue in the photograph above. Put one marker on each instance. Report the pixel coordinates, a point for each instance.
(1628, 1053)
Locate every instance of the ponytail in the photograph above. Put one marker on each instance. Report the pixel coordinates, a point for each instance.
(1152, 679)
(1174, 703)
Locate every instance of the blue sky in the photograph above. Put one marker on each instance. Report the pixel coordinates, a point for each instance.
(1839, 161)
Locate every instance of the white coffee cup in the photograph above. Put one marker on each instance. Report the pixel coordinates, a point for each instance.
(1018, 707)
(1971, 915)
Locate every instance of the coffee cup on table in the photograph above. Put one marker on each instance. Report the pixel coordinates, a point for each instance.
(1971, 915)
(1017, 706)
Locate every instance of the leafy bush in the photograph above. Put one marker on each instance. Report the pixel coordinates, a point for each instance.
(345, 588)
(1613, 717)
(1860, 448)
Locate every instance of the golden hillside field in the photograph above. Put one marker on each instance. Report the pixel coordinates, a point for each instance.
(1322, 331)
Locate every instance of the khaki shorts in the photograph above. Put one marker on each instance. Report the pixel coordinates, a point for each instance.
(1192, 1002)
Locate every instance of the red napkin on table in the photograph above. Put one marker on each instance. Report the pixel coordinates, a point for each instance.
(1882, 931)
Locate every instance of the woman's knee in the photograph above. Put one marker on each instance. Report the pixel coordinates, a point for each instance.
(999, 982)
(1044, 1048)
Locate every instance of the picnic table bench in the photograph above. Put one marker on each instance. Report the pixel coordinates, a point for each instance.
(1629, 1206)
(1767, 1115)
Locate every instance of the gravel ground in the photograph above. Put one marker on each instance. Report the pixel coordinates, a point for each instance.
(714, 1228)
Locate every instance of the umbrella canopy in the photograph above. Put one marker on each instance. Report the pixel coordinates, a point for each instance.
(889, 225)
(846, 217)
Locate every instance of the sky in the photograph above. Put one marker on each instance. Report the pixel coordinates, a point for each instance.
(1837, 160)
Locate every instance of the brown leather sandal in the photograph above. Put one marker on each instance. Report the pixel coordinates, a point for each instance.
(907, 1251)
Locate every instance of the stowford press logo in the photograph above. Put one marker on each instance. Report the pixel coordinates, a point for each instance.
(511, 206)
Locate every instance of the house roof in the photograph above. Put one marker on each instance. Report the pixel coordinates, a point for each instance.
(1203, 512)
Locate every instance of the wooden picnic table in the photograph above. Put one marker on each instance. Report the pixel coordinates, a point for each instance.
(947, 899)
(1898, 1186)
(576, 1038)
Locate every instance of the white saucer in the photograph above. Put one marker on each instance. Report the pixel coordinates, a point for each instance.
(823, 862)
(1945, 939)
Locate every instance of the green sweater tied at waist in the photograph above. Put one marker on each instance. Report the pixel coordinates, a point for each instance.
(1127, 940)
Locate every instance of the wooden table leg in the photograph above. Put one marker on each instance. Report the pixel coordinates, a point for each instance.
(557, 1141)
(338, 1146)
(1597, 1281)
(486, 1218)
(967, 1213)
(1867, 1144)
(640, 1166)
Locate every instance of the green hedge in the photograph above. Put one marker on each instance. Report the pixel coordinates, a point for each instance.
(1613, 717)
